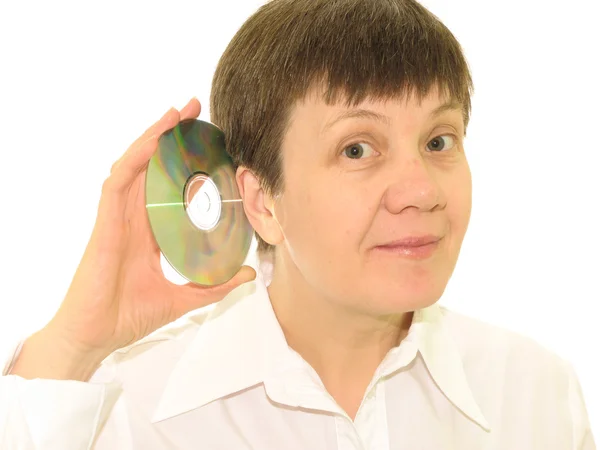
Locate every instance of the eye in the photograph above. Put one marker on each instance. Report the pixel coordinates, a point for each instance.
(439, 143)
(358, 150)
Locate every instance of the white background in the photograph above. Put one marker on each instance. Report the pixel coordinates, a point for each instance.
(80, 80)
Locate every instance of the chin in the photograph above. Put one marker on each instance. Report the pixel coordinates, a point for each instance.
(396, 298)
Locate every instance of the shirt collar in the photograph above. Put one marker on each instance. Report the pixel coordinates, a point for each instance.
(239, 344)
(444, 362)
(244, 327)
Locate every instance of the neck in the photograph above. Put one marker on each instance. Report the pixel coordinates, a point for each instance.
(343, 344)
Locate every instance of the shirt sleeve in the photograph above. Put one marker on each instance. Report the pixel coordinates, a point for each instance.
(45, 414)
(582, 430)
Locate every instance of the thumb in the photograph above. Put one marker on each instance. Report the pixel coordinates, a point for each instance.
(245, 274)
(195, 296)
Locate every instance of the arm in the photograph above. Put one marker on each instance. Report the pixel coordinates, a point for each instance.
(582, 432)
(37, 412)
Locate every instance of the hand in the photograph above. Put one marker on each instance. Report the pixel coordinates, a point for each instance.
(119, 293)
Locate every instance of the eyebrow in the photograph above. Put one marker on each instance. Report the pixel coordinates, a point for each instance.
(368, 114)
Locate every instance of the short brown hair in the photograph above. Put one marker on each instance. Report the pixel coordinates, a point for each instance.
(355, 49)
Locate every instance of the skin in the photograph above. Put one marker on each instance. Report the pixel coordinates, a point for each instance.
(118, 294)
(342, 302)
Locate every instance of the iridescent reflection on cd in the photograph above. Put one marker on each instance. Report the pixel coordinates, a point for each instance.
(194, 205)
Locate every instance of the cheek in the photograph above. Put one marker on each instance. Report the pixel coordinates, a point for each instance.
(325, 217)
(460, 203)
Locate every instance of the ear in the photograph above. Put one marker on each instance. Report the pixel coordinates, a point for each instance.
(258, 206)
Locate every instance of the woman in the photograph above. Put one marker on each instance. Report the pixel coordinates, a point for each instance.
(345, 120)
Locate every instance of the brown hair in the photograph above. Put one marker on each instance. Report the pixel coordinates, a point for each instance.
(355, 49)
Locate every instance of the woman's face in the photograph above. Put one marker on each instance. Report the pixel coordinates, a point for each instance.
(358, 180)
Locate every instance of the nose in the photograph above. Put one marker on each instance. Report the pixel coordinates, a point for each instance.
(413, 184)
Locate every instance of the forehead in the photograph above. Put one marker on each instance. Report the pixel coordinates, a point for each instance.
(313, 111)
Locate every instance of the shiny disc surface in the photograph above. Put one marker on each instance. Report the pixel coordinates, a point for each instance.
(194, 206)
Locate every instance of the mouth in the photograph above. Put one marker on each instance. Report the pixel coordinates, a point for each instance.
(412, 248)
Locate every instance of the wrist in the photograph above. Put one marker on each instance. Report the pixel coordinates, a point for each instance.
(48, 356)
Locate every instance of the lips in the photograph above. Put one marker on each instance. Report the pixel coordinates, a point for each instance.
(413, 241)
(413, 247)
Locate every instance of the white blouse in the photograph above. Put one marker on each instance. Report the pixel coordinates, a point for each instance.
(226, 379)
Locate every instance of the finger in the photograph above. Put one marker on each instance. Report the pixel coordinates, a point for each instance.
(163, 124)
(136, 158)
(192, 297)
(191, 110)
(118, 162)
(153, 129)
(245, 274)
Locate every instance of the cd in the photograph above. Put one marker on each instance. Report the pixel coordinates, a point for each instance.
(194, 205)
